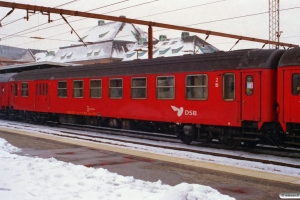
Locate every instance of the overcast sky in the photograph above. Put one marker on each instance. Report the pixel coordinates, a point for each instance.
(192, 13)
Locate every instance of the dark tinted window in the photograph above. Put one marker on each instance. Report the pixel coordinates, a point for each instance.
(196, 87)
(296, 84)
(116, 88)
(62, 89)
(138, 88)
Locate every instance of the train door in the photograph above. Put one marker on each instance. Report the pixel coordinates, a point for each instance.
(291, 95)
(41, 97)
(13, 93)
(2, 96)
(251, 96)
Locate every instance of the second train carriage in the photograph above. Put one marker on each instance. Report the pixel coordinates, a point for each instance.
(230, 96)
(288, 95)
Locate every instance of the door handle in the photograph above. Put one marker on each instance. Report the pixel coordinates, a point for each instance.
(243, 103)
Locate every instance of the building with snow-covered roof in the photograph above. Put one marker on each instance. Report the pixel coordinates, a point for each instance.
(13, 55)
(106, 42)
(180, 46)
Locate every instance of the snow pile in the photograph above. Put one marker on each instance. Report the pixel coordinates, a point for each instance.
(36, 178)
(5, 148)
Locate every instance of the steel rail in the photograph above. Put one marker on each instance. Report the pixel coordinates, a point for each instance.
(150, 24)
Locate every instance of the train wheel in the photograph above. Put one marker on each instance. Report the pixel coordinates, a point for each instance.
(186, 139)
(228, 142)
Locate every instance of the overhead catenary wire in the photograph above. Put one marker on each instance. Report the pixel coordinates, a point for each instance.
(9, 36)
(15, 20)
(240, 16)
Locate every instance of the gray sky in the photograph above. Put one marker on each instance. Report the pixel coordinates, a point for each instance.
(197, 14)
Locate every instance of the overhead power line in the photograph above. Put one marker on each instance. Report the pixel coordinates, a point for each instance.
(10, 36)
(13, 21)
(190, 7)
(237, 17)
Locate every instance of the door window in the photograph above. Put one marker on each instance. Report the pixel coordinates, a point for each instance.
(296, 84)
(249, 85)
(228, 87)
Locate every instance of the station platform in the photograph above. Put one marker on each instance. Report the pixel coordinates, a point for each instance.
(236, 182)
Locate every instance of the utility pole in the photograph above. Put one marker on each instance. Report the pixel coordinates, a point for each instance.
(274, 31)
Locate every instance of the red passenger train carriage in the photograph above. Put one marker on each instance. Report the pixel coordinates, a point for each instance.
(230, 96)
(289, 95)
(5, 100)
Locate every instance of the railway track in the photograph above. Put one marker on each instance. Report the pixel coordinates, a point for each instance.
(158, 140)
(260, 149)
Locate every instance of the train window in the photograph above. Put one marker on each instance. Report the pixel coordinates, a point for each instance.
(96, 88)
(165, 87)
(249, 85)
(46, 89)
(77, 89)
(36, 89)
(42, 89)
(138, 88)
(62, 89)
(116, 88)
(196, 87)
(296, 84)
(228, 86)
(24, 90)
(16, 89)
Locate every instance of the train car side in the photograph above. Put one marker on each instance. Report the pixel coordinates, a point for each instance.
(289, 95)
(229, 96)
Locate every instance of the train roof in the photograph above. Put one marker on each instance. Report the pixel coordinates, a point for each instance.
(242, 59)
(32, 66)
(5, 77)
(290, 58)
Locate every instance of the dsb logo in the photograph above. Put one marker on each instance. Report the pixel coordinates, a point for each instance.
(181, 111)
(190, 112)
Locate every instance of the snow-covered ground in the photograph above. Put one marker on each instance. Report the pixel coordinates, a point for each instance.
(30, 178)
(24, 177)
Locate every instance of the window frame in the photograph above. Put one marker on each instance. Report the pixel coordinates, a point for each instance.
(111, 88)
(65, 88)
(24, 89)
(79, 89)
(198, 86)
(138, 87)
(223, 90)
(157, 87)
(96, 88)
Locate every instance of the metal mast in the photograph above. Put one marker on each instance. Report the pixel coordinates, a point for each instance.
(274, 31)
